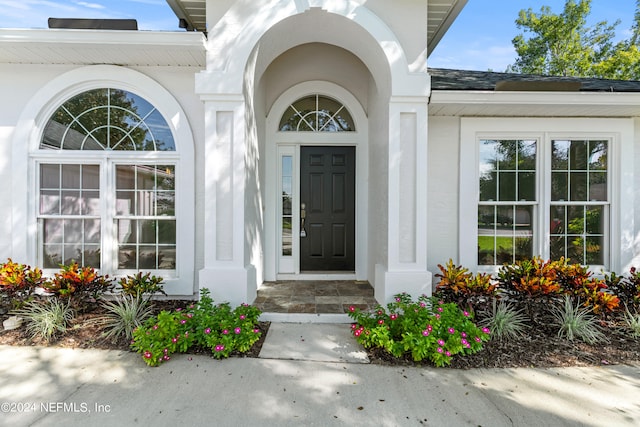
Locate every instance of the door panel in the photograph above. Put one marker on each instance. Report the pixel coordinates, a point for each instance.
(327, 189)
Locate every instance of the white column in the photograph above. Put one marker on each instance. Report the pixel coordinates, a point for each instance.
(225, 272)
(406, 269)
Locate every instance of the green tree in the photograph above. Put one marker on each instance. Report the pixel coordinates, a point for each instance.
(564, 45)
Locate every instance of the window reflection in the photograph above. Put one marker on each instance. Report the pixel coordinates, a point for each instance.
(287, 195)
(317, 113)
(507, 192)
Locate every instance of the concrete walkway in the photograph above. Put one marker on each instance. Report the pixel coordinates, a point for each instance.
(310, 375)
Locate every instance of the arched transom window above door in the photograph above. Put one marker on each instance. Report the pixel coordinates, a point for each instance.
(317, 113)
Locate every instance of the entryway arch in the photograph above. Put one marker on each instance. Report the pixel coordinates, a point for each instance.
(283, 150)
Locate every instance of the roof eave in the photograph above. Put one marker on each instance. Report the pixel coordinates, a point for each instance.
(444, 25)
(37, 46)
(547, 104)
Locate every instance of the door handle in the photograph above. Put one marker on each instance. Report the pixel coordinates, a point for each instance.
(303, 216)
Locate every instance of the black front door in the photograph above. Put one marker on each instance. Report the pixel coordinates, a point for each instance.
(327, 208)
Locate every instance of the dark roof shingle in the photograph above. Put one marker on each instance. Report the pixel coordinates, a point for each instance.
(445, 79)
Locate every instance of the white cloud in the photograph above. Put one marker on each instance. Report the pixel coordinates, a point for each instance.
(90, 5)
(32, 13)
(151, 2)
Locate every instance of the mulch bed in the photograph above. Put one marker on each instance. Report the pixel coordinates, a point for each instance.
(84, 333)
(541, 347)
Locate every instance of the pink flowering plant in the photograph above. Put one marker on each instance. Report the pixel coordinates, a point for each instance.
(423, 329)
(163, 335)
(219, 328)
(224, 330)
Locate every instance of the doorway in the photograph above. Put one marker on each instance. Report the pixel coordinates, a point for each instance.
(327, 208)
(317, 157)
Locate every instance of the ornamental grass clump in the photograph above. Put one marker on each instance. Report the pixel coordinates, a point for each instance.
(632, 320)
(424, 329)
(506, 321)
(123, 315)
(218, 328)
(577, 322)
(46, 319)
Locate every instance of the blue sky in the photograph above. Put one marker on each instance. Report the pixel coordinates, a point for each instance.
(480, 39)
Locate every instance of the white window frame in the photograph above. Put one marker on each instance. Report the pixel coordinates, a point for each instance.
(37, 112)
(619, 133)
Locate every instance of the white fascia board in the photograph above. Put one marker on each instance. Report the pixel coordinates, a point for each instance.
(102, 37)
(489, 98)
(442, 29)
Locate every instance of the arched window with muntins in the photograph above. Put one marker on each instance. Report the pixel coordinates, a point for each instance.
(107, 119)
(112, 208)
(317, 113)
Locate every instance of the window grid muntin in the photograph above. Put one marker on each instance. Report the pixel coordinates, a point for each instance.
(602, 169)
(588, 170)
(151, 115)
(500, 171)
(106, 159)
(520, 207)
(67, 246)
(500, 228)
(580, 253)
(576, 246)
(297, 118)
(138, 217)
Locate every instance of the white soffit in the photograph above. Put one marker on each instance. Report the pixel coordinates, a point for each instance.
(131, 48)
(533, 104)
(194, 12)
(440, 16)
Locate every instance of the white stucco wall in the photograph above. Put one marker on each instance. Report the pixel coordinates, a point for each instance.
(378, 183)
(35, 91)
(408, 21)
(18, 84)
(636, 186)
(319, 62)
(443, 190)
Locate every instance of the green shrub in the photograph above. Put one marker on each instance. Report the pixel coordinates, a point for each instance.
(142, 285)
(538, 285)
(82, 287)
(218, 328)
(124, 314)
(578, 322)
(161, 336)
(17, 284)
(578, 282)
(223, 330)
(467, 290)
(626, 288)
(424, 329)
(530, 278)
(46, 319)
